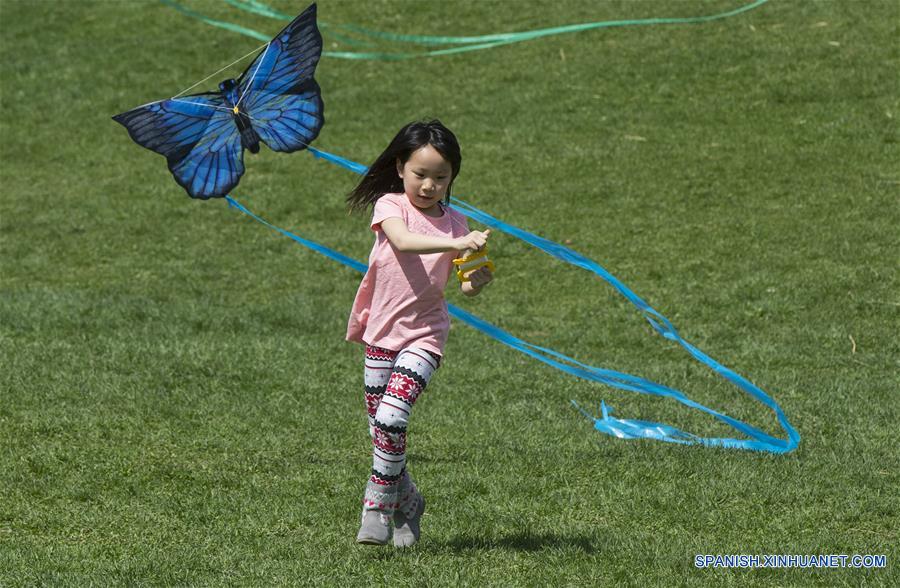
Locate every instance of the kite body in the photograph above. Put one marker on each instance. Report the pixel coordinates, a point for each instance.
(275, 101)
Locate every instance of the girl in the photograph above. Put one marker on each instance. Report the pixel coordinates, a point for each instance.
(400, 313)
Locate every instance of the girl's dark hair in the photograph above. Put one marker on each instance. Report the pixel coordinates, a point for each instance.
(382, 176)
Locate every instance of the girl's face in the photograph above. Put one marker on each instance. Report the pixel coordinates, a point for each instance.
(426, 177)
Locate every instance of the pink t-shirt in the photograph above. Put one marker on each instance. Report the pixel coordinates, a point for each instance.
(400, 302)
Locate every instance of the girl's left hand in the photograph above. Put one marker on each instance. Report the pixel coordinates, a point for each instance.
(480, 277)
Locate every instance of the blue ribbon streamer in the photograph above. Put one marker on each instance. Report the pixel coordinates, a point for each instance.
(621, 428)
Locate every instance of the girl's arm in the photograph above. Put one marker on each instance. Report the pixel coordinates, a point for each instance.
(403, 240)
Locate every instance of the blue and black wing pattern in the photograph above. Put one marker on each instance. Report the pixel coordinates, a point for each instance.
(276, 100)
(278, 91)
(198, 137)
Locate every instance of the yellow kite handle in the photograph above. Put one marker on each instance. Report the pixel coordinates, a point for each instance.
(471, 262)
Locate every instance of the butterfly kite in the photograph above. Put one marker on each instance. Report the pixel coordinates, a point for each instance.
(275, 101)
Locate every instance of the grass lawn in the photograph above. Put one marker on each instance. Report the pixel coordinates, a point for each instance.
(178, 405)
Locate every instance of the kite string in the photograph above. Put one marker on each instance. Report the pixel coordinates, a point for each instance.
(226, 109)
(619, 427)
(468, 43)
(257, 7)
(197, 104)
(253, 77)
(220, 71)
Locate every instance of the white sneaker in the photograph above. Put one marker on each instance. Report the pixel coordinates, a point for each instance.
(406, 530)
(375, 528)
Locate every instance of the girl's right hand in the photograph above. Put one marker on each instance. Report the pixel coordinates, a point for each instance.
(473, 241)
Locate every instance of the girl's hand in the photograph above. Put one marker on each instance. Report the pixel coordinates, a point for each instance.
(473, 241)
(480, 278)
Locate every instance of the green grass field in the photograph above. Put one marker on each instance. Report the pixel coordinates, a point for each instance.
(178, 403)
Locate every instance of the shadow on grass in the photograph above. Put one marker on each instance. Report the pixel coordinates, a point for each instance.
(518, 542)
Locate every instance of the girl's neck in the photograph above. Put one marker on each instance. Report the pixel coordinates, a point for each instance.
(436, 211)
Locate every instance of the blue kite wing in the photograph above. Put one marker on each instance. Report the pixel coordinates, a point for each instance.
(202, 136)
(278, 91)
(198, 137)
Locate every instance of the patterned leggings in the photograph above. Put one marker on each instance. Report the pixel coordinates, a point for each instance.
(394, 380)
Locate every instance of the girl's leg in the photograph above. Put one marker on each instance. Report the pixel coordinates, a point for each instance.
(379, 364)
(375, 525)
(411, 372)
(411, 504)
